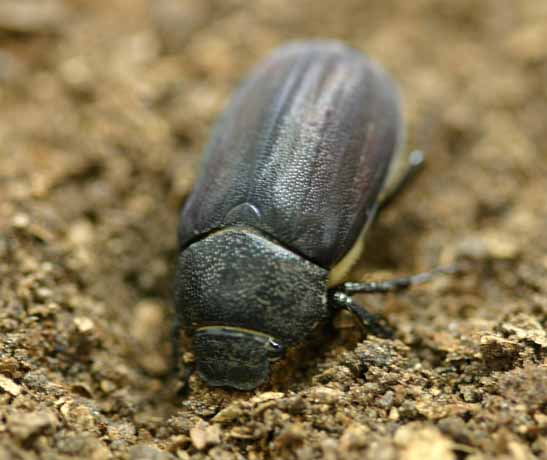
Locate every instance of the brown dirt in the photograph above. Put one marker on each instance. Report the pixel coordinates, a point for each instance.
(105, 108)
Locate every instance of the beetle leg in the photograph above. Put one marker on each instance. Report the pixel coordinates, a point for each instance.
(175, 345)
(187, 372)
(416, 162)
(368, 321)
(397, 284)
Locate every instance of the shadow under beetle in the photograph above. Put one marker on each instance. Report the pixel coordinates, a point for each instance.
(303, 158)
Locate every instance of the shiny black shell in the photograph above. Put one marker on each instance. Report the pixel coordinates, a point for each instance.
(301, 153)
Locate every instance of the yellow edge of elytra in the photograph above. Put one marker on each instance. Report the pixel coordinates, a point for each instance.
(341, 270)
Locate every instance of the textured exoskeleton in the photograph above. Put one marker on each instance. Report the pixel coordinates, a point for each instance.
(291, 178)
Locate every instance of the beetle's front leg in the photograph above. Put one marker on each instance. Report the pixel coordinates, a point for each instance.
(394, 285)
(374, 324)
(175, 345)
(340, 296)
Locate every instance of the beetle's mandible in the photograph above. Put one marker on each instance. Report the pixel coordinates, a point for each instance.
(305, 154)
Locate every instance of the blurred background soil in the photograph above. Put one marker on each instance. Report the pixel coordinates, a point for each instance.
(105, 108)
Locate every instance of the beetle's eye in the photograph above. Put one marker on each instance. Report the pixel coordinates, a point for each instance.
(275, 350)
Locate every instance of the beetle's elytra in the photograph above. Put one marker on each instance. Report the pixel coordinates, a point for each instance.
(296, 169)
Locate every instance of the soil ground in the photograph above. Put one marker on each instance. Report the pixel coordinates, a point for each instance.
(105, 108)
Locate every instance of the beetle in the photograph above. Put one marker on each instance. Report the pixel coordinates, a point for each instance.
(305, 155)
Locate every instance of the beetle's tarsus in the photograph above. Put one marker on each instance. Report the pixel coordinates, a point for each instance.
(397, 284)
(370, 323)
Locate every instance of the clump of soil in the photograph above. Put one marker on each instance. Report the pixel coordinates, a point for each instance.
(105, 108)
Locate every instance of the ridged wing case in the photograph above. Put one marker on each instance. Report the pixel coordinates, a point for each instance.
(301, 153)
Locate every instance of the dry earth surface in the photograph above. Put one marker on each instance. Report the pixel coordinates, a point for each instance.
(105, 108)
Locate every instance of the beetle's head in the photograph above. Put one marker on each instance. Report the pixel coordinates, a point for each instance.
(232, 357)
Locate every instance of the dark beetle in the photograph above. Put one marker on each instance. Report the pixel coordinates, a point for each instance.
(303, 157)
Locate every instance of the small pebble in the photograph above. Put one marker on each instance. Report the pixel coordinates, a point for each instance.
(9, 386)
(25, 425)
(30, 16)
(204, 435)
